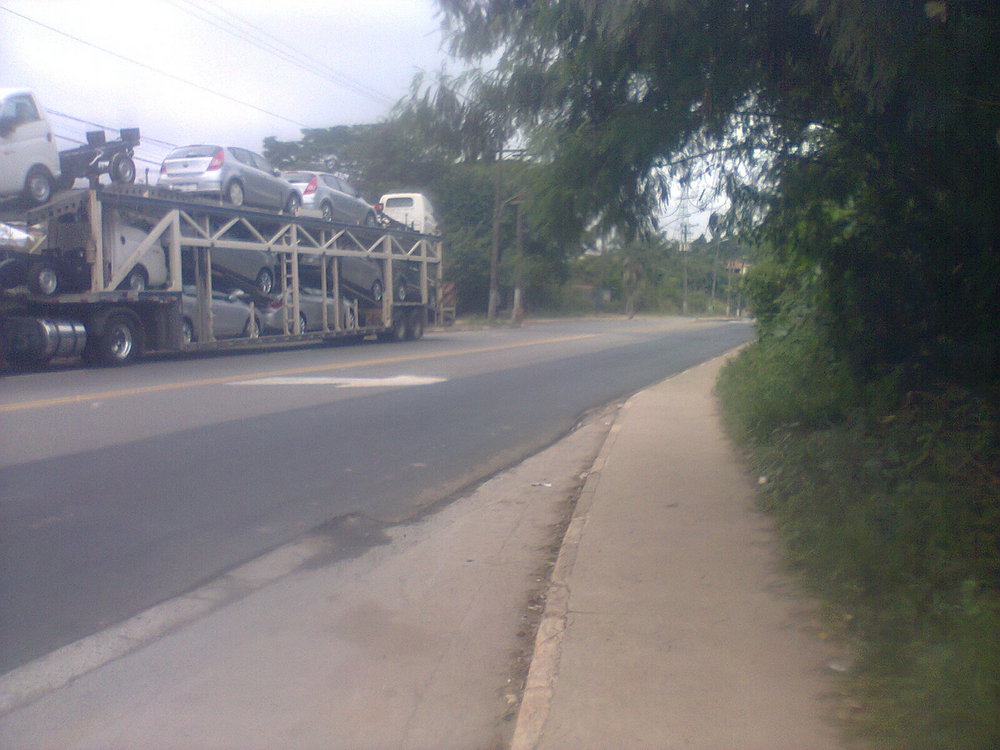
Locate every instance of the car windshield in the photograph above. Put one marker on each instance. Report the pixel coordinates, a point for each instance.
(189, 152)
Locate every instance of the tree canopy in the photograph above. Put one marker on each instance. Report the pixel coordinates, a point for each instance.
(859, 138)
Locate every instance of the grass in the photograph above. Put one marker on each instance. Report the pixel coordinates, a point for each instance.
(888, 504)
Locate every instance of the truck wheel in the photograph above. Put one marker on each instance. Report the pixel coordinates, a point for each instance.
(415, 325)
(13, 273)
(118, 344)
(399, 326)
(38, 186)
(122, 169)
(43, 279)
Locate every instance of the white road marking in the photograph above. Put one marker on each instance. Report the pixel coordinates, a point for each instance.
(391, 382)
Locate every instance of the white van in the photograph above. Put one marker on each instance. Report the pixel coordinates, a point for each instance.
(413, 210)
(29, 159)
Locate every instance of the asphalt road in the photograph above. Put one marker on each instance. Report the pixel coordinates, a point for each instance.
(120, 489)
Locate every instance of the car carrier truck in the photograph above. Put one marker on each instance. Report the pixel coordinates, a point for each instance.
(124, 270)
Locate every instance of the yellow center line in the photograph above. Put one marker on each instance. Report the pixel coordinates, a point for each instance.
(121, 393)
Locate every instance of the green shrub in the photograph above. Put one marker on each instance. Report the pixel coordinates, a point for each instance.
(888, 503)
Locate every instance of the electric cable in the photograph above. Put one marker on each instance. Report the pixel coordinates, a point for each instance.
(154, 70)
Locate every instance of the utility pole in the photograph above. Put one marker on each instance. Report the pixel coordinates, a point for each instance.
(491, 309)
(684, 249)
(517, 312)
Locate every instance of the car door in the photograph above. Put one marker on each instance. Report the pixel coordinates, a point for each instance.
(341, 208)
(272, 187)
(255, 192)
(29, 141)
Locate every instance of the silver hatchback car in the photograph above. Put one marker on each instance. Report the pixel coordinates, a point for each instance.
(235, 175)
(331, 198)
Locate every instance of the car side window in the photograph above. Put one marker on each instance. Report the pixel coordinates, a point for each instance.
(261, 163)
(349, 189)
(20, 108)
(331, 182)
(242, 156)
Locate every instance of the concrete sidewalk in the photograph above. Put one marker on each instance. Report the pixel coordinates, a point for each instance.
(668, 622)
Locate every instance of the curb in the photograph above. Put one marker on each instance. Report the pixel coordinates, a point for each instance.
(539, 685)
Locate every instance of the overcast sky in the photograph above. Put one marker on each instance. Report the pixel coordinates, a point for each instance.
(230, 72)
(170, 67)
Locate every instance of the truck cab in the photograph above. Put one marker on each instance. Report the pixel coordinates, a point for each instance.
(29, 159)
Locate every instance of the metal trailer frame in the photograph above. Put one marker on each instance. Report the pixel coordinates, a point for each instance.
(199, 227)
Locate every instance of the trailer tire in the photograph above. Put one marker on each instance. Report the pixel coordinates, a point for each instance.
(43, 279)
(118, 343)
(415, 325)
(400, 326)
(122, 169)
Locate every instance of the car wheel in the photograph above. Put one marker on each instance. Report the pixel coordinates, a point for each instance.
(370, 220)
(377, 290)
(265, 281)
(327, 210)
(38, 186)
(350, 319)
(400, 295)
(302, 323)
(43, 279)
(187, 331)
(293, 204)
(122, 169)
(234, 193)
(136, 281)
(119, 343)
(252, 329)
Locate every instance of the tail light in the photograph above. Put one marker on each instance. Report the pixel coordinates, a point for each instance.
(378, 207)
(311, 187)
(275, 304)
(216, 162)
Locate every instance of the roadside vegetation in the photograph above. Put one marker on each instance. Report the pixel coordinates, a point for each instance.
(888, 504)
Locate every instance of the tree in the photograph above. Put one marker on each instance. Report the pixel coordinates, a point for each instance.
(857, 137)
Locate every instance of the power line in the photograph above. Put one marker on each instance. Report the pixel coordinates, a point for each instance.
(267, 42)
(154, 70)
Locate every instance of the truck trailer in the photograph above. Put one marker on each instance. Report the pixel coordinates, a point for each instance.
(123, 270)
